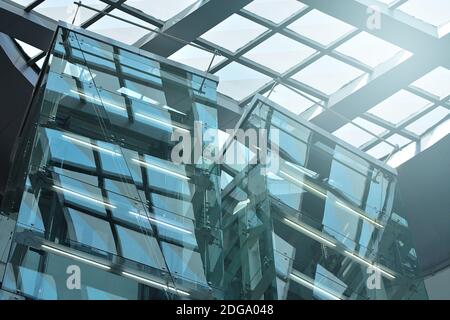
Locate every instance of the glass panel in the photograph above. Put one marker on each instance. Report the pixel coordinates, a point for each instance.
(279, 53)
(357, 136)
(238, 81)
(196, 58)
(429, 120)
(275, 10)
(291, 100)
(65, 10)
(399, 107)
(435, 82)
(434, 12)
(369, 49)
(120, 30)
(321, 27)
(327, 75)
(156, 9)
(234, 32)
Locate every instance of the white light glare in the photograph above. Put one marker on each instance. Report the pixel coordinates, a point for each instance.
(309, 233)
(87, 144)
(160, 222)
(164, 123)
(149, 165)
(311, 286)
(64, 253)
(367, 263)
(358, 214)
(82, 196)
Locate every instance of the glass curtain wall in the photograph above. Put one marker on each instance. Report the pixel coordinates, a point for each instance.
(94, 189)
(316, 222)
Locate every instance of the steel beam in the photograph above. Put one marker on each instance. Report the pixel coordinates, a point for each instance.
(190, 24)
(30, 27)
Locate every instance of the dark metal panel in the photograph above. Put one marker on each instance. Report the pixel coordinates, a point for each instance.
(31, 27)
(424, 189)
(17, 81)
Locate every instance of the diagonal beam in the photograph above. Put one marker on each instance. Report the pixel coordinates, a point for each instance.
(190, 24)
(32, 28)
(419, 38)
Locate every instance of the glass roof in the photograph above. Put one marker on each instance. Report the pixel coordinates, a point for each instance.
(279, 53)
(321, 27)
(275, 10)
(162, 10)
(399, 107)
(327, 74)
(435, 82)
(369, 49)
(234, 32)
(65, 10)
(120, 30)
(434, 12)
(310, 51)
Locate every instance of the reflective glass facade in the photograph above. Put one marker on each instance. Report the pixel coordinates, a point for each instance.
(93, 185)
(317, 225)
(94, 189)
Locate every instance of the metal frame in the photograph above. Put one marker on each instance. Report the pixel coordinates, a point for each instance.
(398, 28)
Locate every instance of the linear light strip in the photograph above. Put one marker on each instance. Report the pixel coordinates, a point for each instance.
(304, 184)
(99, 100)
(359, 214)
(155, 284)
(84, 143)
(83, 196)
(164, 123)
(309, 233)
(160, 222)
(369, 264)
(301, 169)
(149, 165)
(314, 287)
(174, 110)
(337, 202)
(64, 253)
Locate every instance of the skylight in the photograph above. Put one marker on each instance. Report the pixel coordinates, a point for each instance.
(120, 30)
(24, 3)
(275, 10)
(160, 10)
(357, 136)
(383, 149)
(434, 12)
(238, 81)
(195, 57)
(65, 10)
(437, 82)
(327, 75)
(399, 107)
(321, 27)
(28, 49)
(290, 100)
(369, 49)
(234, 33)
(432, 118)
(279, 53)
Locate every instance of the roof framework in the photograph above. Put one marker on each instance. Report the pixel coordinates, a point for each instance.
(321, 57)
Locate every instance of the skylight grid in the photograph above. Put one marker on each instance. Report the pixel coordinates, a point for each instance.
(275, 11)
(400, 107)
(67, 10)
(234, 32)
